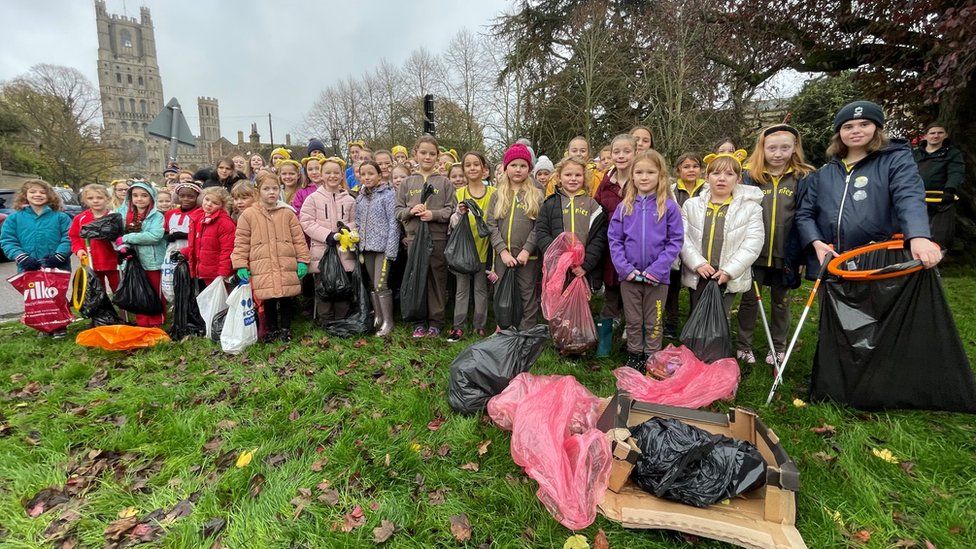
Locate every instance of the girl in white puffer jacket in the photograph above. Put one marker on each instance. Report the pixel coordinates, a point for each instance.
(723, 230)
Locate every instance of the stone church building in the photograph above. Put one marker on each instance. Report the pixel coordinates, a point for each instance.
(132, 95)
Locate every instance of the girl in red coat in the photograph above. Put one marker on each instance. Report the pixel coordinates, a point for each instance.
(100, 254)
(211, 238)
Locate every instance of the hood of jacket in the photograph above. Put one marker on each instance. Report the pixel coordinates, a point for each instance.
(144, 186)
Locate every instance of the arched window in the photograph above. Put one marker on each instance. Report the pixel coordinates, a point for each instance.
(118, 77)
(121, 105)
(141, 83)
(126, 37)
(124, 126)
(129, 78)
(142, 106)
(132, 105)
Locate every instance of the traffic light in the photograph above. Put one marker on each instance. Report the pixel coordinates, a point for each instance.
(429, 126)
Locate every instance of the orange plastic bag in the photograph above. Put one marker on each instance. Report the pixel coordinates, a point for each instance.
(121, 337)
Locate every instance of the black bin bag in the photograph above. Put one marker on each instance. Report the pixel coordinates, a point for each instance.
(682, 463)
(333, 283)
(707, 331)
(90, 298)
(461, 252)
(107, 227)
(359, 321)
(217, 326)
(484, 369)
(136, 294)
(893, 343)
(413, 289)
(187, 320)
(508, 301)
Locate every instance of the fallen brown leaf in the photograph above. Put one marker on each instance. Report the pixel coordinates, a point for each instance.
(861, 536)
(294, 415)
(257, 484)
(461, 527)
(318, 464)
(825, 430)
(360, 343)
(471, 466)
(213, 527)
(600, 540)
(226, 424)
(44, 501)
(213, 445)
(824, 457)
(908, 467)
(444, 450)
(383, 532)
(353, 519)
(437, 497)
(436, 423)
(483, 447)
(116, 530)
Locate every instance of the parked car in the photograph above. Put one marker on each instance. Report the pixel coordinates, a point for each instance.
(7, 201)
(69, 200)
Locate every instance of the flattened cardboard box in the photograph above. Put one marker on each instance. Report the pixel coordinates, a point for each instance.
(764, 518)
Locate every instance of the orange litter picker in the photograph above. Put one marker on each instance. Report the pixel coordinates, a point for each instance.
(843, 266)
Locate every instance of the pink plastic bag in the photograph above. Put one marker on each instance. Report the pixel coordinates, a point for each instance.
(555, 439)
(695, 384)
(572, 326)
(565, 252)
(46, 294)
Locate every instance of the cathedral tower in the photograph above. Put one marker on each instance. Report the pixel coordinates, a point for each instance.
(130, 85)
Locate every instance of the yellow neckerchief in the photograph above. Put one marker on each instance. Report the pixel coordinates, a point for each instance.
(691, 193)
(849, 167)
(572, 207)
(711, 233)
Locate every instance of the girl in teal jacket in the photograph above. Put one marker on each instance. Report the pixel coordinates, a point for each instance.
(144, 236)
(36, 235)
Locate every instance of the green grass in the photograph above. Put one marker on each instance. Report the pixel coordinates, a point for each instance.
(348, 411)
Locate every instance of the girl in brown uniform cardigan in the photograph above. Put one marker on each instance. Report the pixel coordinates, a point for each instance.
(512, 212)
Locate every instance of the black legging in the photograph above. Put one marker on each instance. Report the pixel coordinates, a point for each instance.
(278, 313)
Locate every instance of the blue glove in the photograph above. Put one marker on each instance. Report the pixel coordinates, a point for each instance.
(244, 275)
(28, 263)
(302, 270)
(53, 261)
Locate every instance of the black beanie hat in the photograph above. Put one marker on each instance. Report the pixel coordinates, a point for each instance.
(315, 145)
(859, 110)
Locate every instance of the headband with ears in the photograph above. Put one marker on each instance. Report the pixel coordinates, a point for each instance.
(451, 152)
(739, 156)
(781, 128)
(357, 143)
(399, 149)
(336, 159)
(298, 166)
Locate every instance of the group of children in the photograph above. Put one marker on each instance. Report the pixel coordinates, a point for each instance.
(725, 217)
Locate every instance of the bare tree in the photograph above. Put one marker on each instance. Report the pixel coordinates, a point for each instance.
(60, 110)
(467, 80)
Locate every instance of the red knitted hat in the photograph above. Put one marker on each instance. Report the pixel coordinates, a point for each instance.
(517, 151)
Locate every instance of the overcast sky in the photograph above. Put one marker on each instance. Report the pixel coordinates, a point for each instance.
(254, 56)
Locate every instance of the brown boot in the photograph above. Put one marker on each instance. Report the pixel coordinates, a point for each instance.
(385, 299)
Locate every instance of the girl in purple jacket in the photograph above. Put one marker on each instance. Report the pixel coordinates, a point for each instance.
(645, 234)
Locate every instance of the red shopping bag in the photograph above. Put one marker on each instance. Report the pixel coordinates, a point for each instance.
(45, 298)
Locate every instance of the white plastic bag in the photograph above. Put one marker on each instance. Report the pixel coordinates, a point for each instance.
(168, 268)
(211, 301)
(241, 327)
